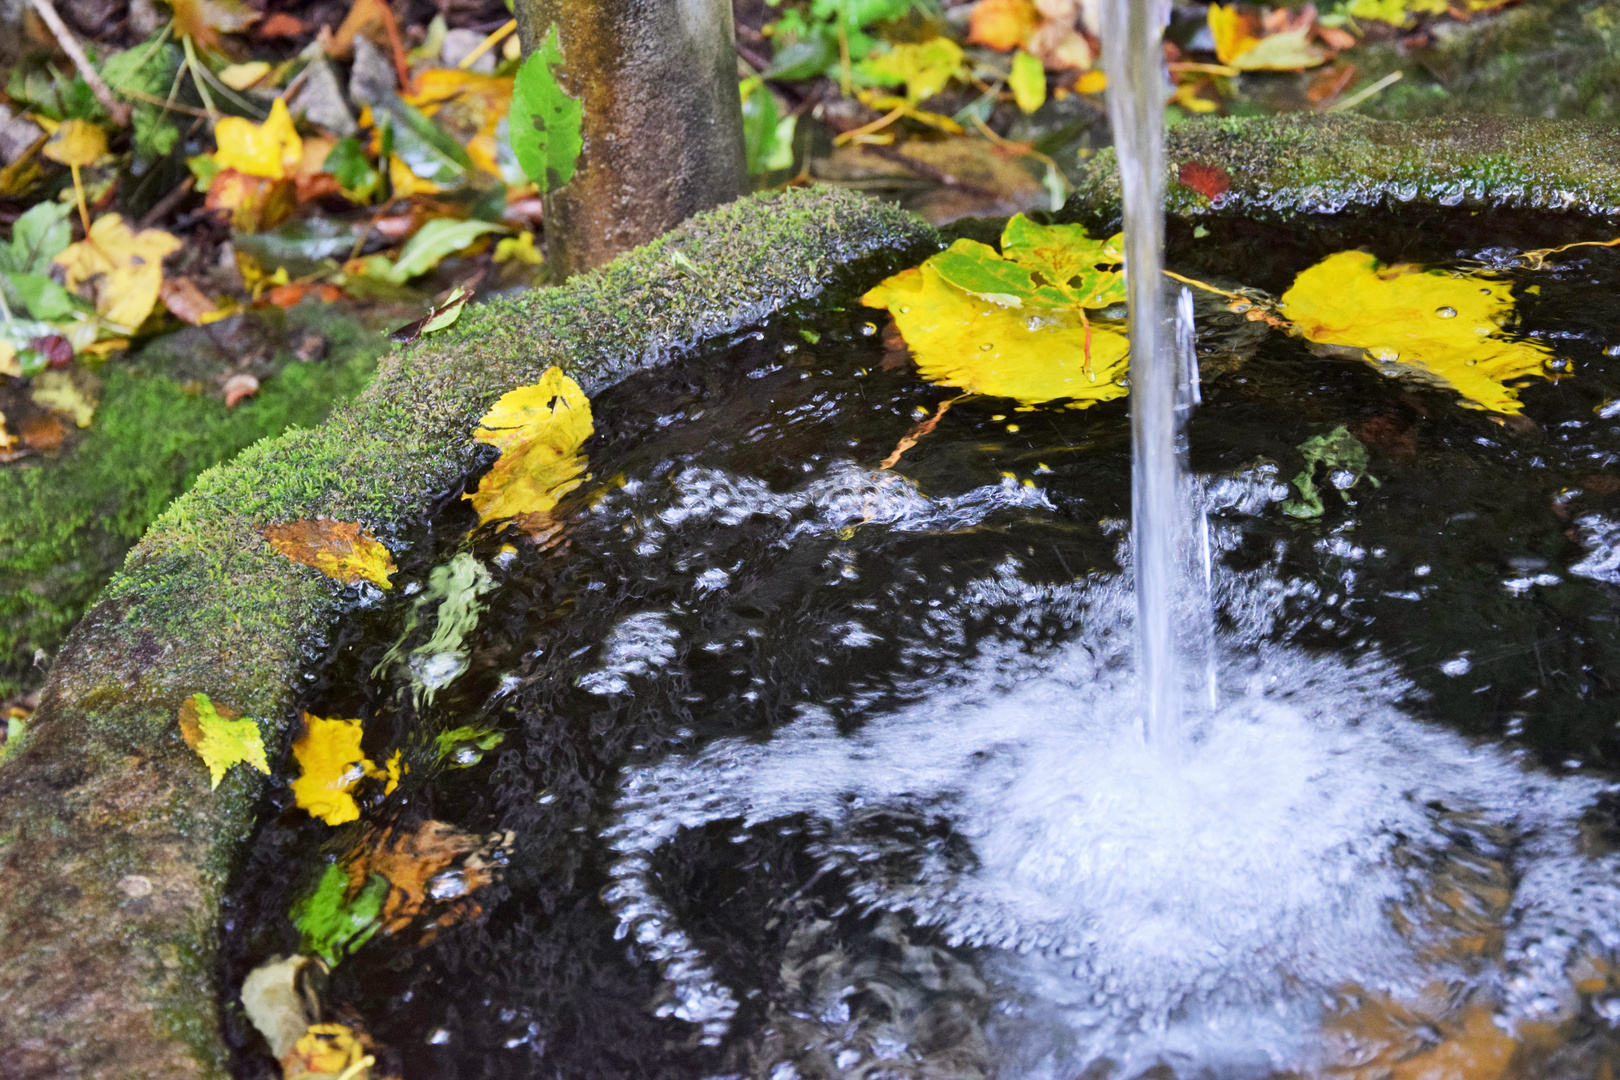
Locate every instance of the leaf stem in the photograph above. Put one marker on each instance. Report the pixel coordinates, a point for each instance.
(202, 87)
(487, 44)
(87, 71)
(78, 191)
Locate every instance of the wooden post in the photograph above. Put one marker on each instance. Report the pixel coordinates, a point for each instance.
(662, 125)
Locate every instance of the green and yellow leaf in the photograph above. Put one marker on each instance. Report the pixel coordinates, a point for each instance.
(1441, 326)
(982, 347)
(221, 737)
(342, 550)
(539, 430)
(119, 268)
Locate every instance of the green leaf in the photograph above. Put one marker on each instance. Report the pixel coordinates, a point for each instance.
(348, 163)
(426, 149)
(330, 926)
(804, 59)
(144, 69)
(42, 297)
(155, 133)
(222, 738)
(1336, 451)
(760, 121)
(1027, 82)
(447, 313)
(464, 746)
(1051, 266)
(41, 234)
(545, 123)
(433, 242)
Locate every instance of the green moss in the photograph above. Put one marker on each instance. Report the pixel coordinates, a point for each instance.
(1285, 165)
(65, 525)
(204, 604)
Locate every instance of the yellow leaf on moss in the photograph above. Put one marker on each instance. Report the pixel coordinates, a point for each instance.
(982, 347)
(539, 430)
(272, 149)
(339, 549)
(221, 737)
(1440, 326)
(331, 764)
(122, 269)
(76, 142)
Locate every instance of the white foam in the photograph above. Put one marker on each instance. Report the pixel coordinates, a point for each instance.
(1200, 905)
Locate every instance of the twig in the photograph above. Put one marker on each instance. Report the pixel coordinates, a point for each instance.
(909, 439)
(487, 44)
(70, 45)
(1362, 95)
(161, 209)
(202, 88)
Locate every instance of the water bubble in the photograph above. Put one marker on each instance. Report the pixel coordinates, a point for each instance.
(868, 329)
(1446, 312)
(1559, 365)
(986, 347)
(1457, 666)
(1383, 354)
(1123, 380)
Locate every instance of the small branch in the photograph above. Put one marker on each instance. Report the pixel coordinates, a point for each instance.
(168, 203)
(70, 45)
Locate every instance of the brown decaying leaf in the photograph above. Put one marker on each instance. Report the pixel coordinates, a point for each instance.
(254, 202)
(342, 550)
(185, 301)
(432, 863)
(238, 387)
(42, 433)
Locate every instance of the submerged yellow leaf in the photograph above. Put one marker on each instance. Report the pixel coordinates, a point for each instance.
(331, 764)
(339, 549)
(221, 737)
(1034, 356)
(327, 1050)
(122, 268)
(539, 430)
(272, 149)
(1440, 326)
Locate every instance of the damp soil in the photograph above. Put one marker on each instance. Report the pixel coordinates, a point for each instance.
(824, 586)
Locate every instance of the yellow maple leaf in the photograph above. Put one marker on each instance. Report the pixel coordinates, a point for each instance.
(331, 764)
(1233, 32)
(272, 149)
(1440, 326)
(221, 736)
(327, 1050)
(123, 268)
(339, 549)
(76, 142)
(984, 348)
(539, 430)
(925, 67)
(1287, 50)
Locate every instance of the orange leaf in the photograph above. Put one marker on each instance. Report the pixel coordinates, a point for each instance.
(1002, 25)
(204, 20)
(341, 550)
(182, 297)
(434, 862)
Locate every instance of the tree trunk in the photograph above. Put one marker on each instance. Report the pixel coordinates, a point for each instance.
(662, 124)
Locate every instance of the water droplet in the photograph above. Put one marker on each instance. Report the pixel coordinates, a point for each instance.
(1384, 354)
(986, 347)
(1123, 380)
(1471, 363)
(1559, 365)
(905, 310)
(1446, 312)
(868, 329)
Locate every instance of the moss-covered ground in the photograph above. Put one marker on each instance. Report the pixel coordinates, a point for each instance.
(67, 522)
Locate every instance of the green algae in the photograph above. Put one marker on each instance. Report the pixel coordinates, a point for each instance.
(66, 524)
(105, 790)
(1282, 166)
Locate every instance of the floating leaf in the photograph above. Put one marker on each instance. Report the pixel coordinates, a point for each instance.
(1040, 266)
(986, 348)
(221, 737)
(122, 268)
(331, 764)
(1027, 82)
(342, 550)
(545, 123)
(1339, 452)
(1441, 326)
(539, 430)
(327, 1050)
(76, 143)
(272, 149)
(333, 920)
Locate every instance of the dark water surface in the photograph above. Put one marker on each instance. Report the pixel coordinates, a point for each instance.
(738, 557)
